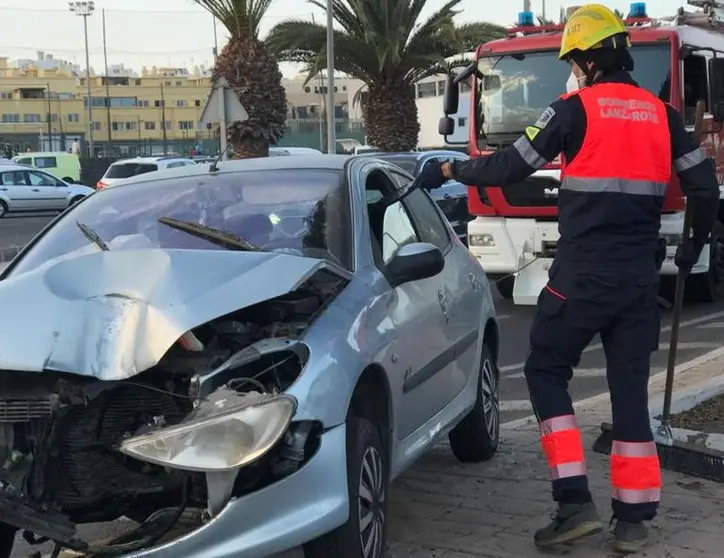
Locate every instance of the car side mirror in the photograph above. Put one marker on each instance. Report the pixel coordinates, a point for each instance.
(414, 262)
(446, 126)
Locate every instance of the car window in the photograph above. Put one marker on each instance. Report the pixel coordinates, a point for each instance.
(46, 162)
(124, 170)
(25, 161)
(41, 179)
(397, 231)
(176, 165)
(16, 178)
(298, 211)
(428, 220)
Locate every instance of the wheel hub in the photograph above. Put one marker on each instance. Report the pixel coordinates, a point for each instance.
(491, 400)
(371, 504)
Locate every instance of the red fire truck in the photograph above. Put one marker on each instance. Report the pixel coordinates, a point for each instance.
(515, 230)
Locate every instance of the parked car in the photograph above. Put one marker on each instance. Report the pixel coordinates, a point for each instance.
(184, 359)
(24, 188)
(452, 197)
(203, 159)
(65, 166)
(140, 165)
(276, 151)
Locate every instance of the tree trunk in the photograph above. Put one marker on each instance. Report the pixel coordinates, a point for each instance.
(254, 74)
(391, 123)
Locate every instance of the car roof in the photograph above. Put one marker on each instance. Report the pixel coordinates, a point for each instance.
(421, 154)
(42, 154)
(150, 160)
(323, 162)
(17, 167)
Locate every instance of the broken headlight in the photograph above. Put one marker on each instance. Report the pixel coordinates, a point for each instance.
(221, 438)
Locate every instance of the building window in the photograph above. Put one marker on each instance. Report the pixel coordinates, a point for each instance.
(116, 126)
(166, 125)
(181, 103)
(142, 103)
(426, 90)
(441, 87)
(96, 126)
(179, 83)
(149, 125)
(11, 118)
(123, 101)
(465, 86)
(6, 95)
(462, 122)
(31, 118)
(186, 125)
(137, 82)
(73, 118)
(197, 103)
(209, 126)
(167, 83)
(158, 104)
(54, 118)
(130, 125)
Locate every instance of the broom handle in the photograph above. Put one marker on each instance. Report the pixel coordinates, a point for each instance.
(680, 283)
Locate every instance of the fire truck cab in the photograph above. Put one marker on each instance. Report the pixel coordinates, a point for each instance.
(515, 230)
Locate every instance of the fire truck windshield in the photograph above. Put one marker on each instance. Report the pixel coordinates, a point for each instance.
(525, 84)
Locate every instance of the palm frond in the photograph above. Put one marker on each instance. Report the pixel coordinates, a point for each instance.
(242, 18)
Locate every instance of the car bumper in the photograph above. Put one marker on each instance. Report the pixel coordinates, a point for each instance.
(311, 502)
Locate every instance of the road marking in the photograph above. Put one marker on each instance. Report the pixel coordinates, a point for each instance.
(577, 373)
(503, 317)
(516, 405)
(681, 368)
(597, 346)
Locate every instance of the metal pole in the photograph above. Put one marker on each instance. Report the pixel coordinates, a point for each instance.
(216, 41)
(108, 90)
(321, 93)
(163, 122)
(50, 110)
(222, 123)
(88, 81)
(331, 141)
(526, 5)
(543, 9)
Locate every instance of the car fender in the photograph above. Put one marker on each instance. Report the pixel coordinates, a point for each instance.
(5, 198)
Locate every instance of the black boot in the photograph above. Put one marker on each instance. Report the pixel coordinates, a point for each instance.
(571, 522)
(630, 538)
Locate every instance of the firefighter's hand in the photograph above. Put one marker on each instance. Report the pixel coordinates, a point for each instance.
(687, 254)
(431, 175)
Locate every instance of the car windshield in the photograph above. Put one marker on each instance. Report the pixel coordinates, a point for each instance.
(124, 170)
(528, 83)
(301, 212)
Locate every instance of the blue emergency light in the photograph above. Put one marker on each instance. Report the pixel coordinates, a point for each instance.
(638, 10)
(526, 19)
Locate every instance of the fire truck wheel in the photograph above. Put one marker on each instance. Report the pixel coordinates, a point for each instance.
(505, 287)
(709, 286)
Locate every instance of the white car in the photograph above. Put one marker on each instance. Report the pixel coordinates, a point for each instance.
(24, 188)
(140, 165)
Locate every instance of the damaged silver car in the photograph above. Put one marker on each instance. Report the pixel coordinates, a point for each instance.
(238, 359)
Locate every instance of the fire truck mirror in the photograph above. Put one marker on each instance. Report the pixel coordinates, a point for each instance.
(446, 126)
(716, 88)
(451, 98)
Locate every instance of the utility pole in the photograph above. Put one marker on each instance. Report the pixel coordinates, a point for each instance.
(543, 9)
(60, 126)
(84, 9)
(163, 121)
(50, 110)
(331, 141)
(216, 41)
(324, 104)
(108, 87)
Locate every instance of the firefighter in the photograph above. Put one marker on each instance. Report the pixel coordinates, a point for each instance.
(618, 143)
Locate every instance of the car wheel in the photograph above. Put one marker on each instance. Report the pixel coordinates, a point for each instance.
(365, 533)
(69, 180)
(3, 209)
(709, 286)
(76, 199)
(505, 287)
(476, 438)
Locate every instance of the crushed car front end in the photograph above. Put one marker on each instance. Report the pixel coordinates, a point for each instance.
(172, 409)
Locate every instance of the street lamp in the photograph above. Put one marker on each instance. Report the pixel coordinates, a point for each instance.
(84, 9)
(331, 143)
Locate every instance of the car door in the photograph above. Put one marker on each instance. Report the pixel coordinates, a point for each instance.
(47, 192)
(412, 310)
(16, 189)
(459, 291)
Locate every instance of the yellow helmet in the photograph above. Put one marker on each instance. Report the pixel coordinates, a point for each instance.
(593, 26)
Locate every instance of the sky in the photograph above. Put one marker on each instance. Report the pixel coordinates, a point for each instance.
(178, 33)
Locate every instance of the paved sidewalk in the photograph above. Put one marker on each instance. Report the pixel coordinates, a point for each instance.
(442, 509)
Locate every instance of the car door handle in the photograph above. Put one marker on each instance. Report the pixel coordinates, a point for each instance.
(35, 190)
(3, 189)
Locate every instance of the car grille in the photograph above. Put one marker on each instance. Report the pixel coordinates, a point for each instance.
(12, 411)
(533, 192)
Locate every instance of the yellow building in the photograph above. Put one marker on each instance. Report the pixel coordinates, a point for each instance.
(43, 106)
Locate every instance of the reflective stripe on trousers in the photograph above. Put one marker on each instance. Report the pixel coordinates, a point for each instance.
(563, 447)
(635, 472)
(614, 185)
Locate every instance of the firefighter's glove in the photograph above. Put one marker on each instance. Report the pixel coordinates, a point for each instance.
(687, 254)
(431, 176)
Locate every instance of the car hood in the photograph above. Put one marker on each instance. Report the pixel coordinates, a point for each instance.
(112, 315)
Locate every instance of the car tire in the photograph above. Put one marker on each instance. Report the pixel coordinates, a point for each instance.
(505, 287)
(69, 180)
(3, 209)
(477, 436)
(709, 286)
(367, 467)
(76, 199)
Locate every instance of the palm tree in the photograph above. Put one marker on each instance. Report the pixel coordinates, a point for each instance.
(383, 44)
(253, 72)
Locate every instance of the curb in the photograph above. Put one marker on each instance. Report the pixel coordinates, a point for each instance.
(581, 405)
(9, 252)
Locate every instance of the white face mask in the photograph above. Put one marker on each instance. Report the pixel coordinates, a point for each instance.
(574, 83)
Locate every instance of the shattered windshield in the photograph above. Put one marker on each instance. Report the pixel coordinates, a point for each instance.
(296, 211)
(516, 89)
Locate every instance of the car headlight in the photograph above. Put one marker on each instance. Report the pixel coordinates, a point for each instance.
(485, 240)
(217, 438)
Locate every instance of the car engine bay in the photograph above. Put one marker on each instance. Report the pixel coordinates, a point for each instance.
(60, 434)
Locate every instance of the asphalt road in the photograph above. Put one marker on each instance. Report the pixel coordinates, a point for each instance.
(18, 229)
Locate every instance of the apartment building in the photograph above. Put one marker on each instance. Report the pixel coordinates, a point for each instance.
(44, 106)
